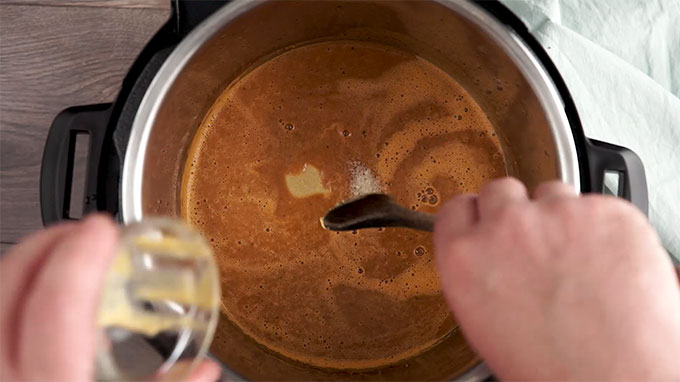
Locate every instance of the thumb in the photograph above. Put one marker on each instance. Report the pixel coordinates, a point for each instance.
(455, 218)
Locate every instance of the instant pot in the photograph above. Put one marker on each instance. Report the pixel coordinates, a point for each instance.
(138, 144)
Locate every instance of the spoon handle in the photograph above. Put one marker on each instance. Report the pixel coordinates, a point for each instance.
(417, 220)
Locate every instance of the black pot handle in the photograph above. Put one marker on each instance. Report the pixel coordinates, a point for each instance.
(605, 157)
(57, 164)
(187, 14)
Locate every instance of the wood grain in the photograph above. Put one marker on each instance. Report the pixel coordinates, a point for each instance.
(52, 58)
(155, 4)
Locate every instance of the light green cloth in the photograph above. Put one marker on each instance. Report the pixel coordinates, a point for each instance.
(621, 62)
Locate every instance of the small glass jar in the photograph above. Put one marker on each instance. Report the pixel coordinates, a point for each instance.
(159, 305)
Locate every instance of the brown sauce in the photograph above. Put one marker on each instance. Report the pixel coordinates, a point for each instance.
(302, 132)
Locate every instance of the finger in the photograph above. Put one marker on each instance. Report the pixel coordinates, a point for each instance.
(456, 216)
(499, 193)
(454, 219)
(206, 371)
(21, 261)
(554, 189)
(18, 269)
(59, 314)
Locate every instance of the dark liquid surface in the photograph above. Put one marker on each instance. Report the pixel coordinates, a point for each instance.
(295, 136)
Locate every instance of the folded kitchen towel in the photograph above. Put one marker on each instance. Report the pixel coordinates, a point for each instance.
(621, 62)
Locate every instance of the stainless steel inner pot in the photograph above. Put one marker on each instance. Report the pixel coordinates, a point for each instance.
(458, 36)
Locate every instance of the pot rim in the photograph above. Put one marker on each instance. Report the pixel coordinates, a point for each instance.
(511, 43)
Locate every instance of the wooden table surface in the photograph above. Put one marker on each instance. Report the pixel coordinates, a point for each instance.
(55, 54)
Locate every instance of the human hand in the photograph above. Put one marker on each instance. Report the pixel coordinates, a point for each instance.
(50, 288)
(559, 287)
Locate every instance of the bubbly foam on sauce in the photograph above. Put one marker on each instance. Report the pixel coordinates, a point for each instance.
(362, 180)
(370, 118)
